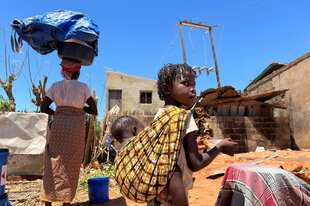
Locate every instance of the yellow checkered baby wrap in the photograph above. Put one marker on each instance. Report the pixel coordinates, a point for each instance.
(146, 163)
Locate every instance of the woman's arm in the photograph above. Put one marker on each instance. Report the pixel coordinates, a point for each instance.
(92, 108)
(45, 107)
(197, 161)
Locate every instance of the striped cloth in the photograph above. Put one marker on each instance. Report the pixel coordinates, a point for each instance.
(64, 155)
(250, 184)
(146, 163)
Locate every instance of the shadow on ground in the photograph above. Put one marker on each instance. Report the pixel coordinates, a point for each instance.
(120, 201)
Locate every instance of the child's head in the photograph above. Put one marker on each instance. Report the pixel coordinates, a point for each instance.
(125, 127)
(176, 84)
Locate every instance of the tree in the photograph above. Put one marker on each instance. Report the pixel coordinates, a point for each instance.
(40, 90)
(11, 75)
(4, 104)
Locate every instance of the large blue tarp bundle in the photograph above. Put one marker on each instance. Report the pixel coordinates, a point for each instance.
(44, 31)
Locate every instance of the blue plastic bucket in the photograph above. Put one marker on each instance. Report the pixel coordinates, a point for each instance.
(98, 190)
(4, 153)
(4, 200)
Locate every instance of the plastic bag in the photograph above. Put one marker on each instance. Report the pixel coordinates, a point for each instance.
(44, 31)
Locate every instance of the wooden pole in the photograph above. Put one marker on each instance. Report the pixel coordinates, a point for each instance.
(215, 61)
(91, 133)
(201, 26)
(182, 41)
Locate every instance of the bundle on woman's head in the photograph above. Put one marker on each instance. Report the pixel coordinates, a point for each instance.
(69, 67)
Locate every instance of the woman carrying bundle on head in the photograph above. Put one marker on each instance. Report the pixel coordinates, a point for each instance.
(65, 148)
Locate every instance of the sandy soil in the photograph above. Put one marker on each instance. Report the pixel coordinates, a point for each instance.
(205, 190)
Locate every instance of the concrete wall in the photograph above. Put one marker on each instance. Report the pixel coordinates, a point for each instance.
(131, 87)
(295, 77)
(250, 132)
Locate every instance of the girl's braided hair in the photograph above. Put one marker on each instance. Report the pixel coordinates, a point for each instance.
(169, 73)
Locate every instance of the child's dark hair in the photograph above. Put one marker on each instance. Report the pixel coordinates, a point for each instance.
(169, 73)
(121, 125)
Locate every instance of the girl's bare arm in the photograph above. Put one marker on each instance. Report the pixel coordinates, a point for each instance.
(196, 161)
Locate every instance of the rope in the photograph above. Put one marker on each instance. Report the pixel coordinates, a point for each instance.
(225, 10)
(162, 58)
(267, 13)
(221, 37)
(249, 9)
(193, 46)
(205, 47)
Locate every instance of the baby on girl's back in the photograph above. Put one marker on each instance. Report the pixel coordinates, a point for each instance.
(173, 128)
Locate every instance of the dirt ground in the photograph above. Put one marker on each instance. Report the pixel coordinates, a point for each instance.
(205, 190)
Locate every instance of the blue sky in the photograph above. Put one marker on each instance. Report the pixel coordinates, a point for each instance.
(137, 38)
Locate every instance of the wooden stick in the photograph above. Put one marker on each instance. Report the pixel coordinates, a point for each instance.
(90, 134)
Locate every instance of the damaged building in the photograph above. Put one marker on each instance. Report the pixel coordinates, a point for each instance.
(294, 77)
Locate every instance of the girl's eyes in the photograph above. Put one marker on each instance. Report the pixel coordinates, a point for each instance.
(185, 83)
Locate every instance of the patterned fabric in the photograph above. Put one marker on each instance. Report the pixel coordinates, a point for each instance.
(69, 68)
(146, 163)
(249, 184)
(64, 155)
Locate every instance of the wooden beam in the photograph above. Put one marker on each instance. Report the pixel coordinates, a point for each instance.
(215, 61)
(182, 41)
(201, 26)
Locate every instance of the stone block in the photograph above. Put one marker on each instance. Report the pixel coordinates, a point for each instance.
(228, 131)
(239, 119)
(239, 131)
(228, 119)
(234, 110)
(239, 125)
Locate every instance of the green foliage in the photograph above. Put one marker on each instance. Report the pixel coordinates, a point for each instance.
(98, 129)
(4, 104)
(104, 170)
